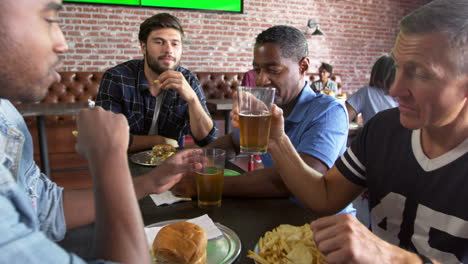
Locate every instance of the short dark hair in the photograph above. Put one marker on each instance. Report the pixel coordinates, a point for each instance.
(383, 73)
(161, 20)
(327, 67)
(291, 41)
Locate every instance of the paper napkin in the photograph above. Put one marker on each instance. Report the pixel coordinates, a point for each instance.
(204, 221)
(167, 198)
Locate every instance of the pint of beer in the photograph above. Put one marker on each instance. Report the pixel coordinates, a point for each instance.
(254, 118)
(210, 177)
(209, 186)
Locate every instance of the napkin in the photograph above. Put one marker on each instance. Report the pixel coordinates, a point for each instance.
(204, 221)
(167, 198)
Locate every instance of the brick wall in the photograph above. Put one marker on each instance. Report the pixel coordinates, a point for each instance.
(356, 33)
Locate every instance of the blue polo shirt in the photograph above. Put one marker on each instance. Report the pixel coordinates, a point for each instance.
(317, 126)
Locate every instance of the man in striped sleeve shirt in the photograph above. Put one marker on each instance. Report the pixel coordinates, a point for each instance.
(412, 159)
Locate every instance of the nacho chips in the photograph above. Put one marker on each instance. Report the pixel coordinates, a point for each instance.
(288, 244)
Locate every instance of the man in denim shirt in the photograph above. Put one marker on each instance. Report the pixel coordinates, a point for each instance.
(34, 211)
(161, 100)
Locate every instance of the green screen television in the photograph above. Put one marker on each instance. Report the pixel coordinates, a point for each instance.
(214, 5)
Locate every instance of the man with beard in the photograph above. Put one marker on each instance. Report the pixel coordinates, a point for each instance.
(161, 100)
(317, 124)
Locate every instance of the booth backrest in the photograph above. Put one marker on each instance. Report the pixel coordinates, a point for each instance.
(219, 85)
(81, 86)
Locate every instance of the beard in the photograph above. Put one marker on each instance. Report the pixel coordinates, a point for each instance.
(153, 63)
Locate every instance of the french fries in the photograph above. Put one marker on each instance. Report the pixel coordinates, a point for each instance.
(287, 244)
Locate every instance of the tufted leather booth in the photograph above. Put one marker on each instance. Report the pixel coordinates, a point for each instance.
(81, 86)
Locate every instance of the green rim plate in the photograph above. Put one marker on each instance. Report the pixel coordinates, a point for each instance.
(228, 172)
(222, 250)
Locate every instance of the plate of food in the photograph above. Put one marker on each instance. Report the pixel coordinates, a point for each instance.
(221, 250)
(153, 157)
(287, 244)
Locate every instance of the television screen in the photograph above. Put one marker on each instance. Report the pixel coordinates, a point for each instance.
(215, 5)
(222, 5)
(114, 2)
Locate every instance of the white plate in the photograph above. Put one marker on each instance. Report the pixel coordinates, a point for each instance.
(222, 250)
(144, 158)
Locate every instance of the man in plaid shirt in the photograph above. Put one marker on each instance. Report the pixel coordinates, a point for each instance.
(161, 100)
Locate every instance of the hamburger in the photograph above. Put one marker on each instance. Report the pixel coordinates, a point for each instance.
(161, 152)
(180, 243)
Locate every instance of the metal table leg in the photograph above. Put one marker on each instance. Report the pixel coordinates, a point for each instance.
(43, 149)
(227, 124)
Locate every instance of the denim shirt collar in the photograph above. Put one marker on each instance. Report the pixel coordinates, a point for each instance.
(11, 140)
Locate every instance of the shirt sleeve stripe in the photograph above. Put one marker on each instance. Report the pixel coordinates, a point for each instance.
(355, 172)
(355, 160)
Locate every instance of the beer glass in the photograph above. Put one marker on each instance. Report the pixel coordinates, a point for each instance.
(254, 118)
(210, 177)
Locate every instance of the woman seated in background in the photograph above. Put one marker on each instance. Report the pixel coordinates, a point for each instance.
(374, 98)
(325, 84)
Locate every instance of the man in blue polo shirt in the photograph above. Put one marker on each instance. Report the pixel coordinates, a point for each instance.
(316, 124)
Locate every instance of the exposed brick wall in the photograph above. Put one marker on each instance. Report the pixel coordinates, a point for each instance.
(356, 33)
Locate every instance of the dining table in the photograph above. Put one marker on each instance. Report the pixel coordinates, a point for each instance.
(249, 218)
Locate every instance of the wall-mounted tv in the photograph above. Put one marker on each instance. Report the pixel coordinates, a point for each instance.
(214, 5)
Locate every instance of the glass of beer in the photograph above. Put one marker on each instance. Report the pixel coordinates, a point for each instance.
(254, 118)
(210, 177)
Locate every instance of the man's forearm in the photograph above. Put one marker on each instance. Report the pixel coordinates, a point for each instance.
(200, 122)
(258, 183)
(303, 181)
(119, 226)
(78, 206)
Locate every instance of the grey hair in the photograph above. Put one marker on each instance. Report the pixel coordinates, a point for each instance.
(448, 17)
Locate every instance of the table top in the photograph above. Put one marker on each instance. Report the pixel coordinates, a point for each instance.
(249, 218)
(51, 109)
(221, 104)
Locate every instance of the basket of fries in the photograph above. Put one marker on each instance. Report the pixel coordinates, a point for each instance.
(287, 244)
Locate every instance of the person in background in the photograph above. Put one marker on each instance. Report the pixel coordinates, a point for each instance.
(249, 79)
(413, 159)
(316, 124)
(325, 84)
(370, 100)
(34, 211)
(162, 100)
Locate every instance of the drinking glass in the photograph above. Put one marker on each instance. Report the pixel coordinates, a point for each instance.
(210, 177)
(254, 118)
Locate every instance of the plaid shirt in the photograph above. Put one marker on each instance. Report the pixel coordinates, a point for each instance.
(124, 89)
